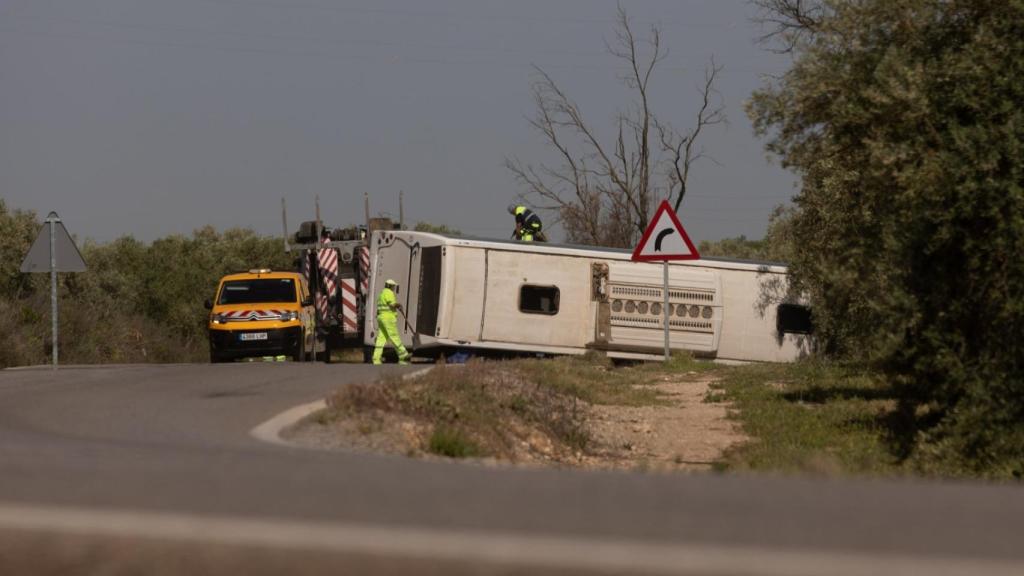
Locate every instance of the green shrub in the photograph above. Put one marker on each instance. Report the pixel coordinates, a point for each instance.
(453, 443)
(903, 120)
(134, 303)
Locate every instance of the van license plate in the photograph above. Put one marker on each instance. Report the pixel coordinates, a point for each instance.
(253, 336)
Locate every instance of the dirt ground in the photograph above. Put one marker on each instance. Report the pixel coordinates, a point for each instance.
(688, 433)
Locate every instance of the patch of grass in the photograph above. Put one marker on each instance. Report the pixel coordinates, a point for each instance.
(453, 443)
(347, 355)
(495, 408)
(681, 361)
(324, 417)
(367, 427)
(810, 417)
(519, 405)
(361, 399)
(500, 405)
(594, 380)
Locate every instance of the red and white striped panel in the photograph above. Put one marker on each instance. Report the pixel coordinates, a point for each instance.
(246, 315)
(364, 270)
(349, 311)
(322, 304)
(328, 261)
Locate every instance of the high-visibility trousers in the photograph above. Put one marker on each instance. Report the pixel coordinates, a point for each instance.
(529, 232)
(387, 333)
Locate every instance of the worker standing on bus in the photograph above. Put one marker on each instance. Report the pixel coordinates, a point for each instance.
(528, 224)
(387, 324)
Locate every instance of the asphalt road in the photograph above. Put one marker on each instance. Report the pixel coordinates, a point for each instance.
(153, 469)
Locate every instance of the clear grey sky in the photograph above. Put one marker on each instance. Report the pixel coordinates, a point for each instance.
(153, 117)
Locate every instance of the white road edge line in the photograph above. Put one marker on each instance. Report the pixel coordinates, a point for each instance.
(599, 555)
(270, 431)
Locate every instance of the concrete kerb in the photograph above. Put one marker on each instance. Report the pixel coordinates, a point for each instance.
(270, 431)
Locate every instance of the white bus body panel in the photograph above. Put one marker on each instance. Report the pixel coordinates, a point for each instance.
(750, 302)
(508, 272)
(720, 309)
(642, 323)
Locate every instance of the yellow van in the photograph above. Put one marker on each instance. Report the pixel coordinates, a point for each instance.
(261, 313)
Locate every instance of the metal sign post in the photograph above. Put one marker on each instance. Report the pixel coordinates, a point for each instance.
(52, 220)
(53, 251)
(668, 353)
(664, 240)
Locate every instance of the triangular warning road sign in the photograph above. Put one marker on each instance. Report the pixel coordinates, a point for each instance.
(665, 238)
(66, 254)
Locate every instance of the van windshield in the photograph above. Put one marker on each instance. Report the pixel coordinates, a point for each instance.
(258, 291)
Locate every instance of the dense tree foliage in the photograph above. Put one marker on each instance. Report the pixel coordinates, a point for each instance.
(135, 303)
(437, 229)
(17, 231)
(904, 120)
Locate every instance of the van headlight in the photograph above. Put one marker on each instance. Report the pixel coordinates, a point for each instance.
(218, 319)
(289, 316)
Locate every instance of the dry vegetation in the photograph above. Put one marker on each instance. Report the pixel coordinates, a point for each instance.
(579, 412)
(807, 417)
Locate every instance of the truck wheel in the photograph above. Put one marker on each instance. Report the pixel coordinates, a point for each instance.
(327, 350)
(216, 358)
(300, 351)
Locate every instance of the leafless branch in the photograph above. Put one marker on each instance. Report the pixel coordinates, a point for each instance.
(602, 192)
(788, 21)
(681, 147)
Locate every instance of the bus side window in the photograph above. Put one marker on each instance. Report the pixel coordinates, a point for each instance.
(794, 319)
(538, 299)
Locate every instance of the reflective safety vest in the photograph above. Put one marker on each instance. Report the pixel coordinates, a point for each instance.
(385, 303)
(527, 219)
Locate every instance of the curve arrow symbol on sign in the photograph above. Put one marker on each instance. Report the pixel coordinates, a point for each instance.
(661, 236)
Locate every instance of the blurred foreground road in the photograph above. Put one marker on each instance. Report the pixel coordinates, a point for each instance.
(152, 469)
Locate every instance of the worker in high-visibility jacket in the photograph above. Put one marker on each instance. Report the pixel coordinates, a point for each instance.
(528, 224)
(387, 324)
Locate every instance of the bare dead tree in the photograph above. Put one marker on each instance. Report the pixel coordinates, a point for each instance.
(603, 192)
(681, 147)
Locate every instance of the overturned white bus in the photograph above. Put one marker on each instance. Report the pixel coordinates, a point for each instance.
(515, 297)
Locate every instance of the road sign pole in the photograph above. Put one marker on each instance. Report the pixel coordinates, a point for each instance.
(52, 220)
(668, 355)
(664, 240)
(45, 254)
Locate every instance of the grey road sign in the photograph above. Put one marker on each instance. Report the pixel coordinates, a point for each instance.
(66, 254)
(53, 251)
